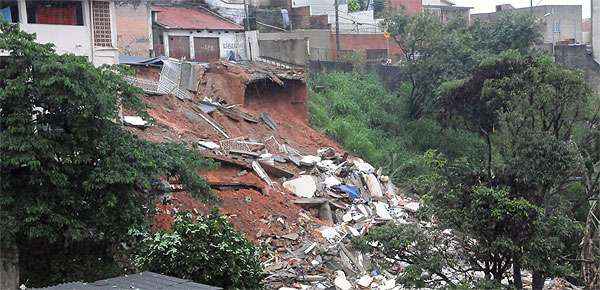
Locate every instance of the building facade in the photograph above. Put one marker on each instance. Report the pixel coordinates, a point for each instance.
(560, 23)
(447, 10)
(81, 27)
(190, 34)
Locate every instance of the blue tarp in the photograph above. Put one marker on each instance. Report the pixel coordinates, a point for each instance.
(352, 191)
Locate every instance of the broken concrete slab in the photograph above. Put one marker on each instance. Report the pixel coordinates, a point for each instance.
(340, 282)
(303, 186)
(209, 144)
(134, 121)
(331, 181)
(309, 160)
(261, 173)
(266, 118)
(373, 185)
(365, 281)
(382, 211)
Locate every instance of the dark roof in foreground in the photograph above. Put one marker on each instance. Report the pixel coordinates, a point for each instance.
(140, 281)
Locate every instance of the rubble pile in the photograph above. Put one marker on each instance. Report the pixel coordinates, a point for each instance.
(348, 196)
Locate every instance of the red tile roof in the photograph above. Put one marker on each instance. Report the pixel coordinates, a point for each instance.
(185, 18)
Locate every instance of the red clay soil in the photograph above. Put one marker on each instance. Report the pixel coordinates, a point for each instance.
(256, 214)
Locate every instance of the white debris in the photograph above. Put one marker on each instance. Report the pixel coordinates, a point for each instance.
(134, 121)
(331, 181)
(327, 166)
(309, 160)
(412, 206)
(261, 173)
(209, 144)
(303, 186)
(329, 233)
(382, 210)
(362, 166)
(373, 185)
(365, 281)
(340, 282)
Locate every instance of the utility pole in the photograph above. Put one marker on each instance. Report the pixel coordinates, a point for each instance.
(337, 31)
(246, 20)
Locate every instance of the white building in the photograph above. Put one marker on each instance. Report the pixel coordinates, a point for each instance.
(80, 27)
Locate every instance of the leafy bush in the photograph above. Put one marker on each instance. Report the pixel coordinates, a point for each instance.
(204, 249)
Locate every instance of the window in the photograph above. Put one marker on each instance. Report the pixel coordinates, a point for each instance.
(376, 54)
(556, 27)
(55, 12)
(101, 20)
(9, 11)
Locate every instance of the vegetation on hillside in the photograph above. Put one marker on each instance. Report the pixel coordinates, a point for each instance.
(494, 137)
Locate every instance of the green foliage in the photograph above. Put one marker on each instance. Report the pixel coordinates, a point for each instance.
(512, 30)
(353, 5)
(434, 52)
(357, 111)
(69, 172)
(204, 249)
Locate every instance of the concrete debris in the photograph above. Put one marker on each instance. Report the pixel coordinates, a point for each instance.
(266, 118)
(209, 144)
(310, 160)
(303, 186)
(261, 173)
(365, 281)
(341, 282)
(373, 185)
(134, 121)
(331, 181)
(412, 206)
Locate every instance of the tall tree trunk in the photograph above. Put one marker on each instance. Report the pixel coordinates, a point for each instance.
(538, 280)
(517, 273)
(9, 268)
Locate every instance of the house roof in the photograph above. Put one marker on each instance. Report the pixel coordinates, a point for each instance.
(140, 281)
(186, 18)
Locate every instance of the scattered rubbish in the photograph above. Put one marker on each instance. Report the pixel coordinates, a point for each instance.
(303, 186)
(135, 121)
(266, 118)
(363, 166)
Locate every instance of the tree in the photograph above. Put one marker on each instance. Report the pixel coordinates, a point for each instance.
(70, 173)
(203, 249)
(434, 53)
(532, 105)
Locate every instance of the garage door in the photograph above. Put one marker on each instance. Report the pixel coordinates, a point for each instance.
(179, 47)
(206, 49)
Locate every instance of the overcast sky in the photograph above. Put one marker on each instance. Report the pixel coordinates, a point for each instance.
(482, 6)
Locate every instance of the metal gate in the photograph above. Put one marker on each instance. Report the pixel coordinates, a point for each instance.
(206, 49)
(179, 47)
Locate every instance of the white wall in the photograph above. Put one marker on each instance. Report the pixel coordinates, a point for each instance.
(72, 38)
(66, 38)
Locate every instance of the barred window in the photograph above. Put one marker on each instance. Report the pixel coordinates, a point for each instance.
(101, 19)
